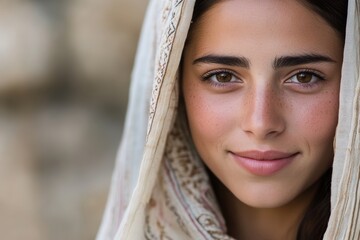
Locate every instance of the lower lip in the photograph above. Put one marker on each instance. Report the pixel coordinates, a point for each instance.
(263, 167)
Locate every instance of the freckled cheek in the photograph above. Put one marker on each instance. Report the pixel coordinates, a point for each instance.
(317, 118)
(208, 118)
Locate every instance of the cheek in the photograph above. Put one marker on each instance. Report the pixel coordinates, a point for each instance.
(209, 118)
(316, 119)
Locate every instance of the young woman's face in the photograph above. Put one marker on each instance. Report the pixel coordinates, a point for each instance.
(261, 83)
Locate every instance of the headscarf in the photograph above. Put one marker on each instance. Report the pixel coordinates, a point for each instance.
(160, 189)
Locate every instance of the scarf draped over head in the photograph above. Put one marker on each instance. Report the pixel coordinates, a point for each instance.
(160, 189)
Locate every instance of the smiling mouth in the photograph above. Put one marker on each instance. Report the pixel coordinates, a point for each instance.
(263, 163)
(264, 156)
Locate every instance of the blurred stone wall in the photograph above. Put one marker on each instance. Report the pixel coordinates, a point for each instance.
(64, 76)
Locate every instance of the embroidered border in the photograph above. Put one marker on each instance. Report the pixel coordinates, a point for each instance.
(171, 14)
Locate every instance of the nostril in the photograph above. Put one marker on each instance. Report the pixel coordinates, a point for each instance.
(263, 114)
(269, 125)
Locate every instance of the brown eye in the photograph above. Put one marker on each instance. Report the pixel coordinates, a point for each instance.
(304, 77)
(223, 77)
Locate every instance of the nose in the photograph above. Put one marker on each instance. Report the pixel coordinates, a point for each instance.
(264, 115)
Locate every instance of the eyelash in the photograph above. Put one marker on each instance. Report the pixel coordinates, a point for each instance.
(320, 77)
(206, 77)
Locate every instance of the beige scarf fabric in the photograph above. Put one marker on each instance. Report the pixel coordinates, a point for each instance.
(160, 189)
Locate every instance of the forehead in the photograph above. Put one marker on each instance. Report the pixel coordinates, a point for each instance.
(254, 23)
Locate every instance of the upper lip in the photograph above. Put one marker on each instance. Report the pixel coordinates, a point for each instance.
(264, 155)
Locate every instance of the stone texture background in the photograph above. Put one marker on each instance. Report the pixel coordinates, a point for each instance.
(64, 74)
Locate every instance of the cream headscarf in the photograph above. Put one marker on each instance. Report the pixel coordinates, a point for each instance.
(160, 189)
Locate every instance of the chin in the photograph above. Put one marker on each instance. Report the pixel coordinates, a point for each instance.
(267, 197)
(268, 203)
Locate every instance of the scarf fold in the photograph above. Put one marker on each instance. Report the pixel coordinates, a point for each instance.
(344, 222)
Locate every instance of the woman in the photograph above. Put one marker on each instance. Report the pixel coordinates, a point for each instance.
(258, 106)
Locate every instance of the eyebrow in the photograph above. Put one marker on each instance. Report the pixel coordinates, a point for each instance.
(289, 61)
(279, 62)
(224, 60)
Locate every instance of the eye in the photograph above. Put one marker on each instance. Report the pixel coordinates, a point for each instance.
(305, 77)
(223, 77)
(220, 77)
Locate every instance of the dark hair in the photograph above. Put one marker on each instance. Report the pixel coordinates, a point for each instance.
(315, 220)
(334, 12)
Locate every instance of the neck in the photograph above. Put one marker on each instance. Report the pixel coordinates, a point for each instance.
(249, 223)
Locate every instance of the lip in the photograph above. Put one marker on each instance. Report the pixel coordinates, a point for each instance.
(263, 163)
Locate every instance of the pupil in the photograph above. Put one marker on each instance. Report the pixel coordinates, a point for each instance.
(223, 77)
(304, 77)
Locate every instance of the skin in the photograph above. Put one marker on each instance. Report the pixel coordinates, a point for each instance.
(261, 107)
